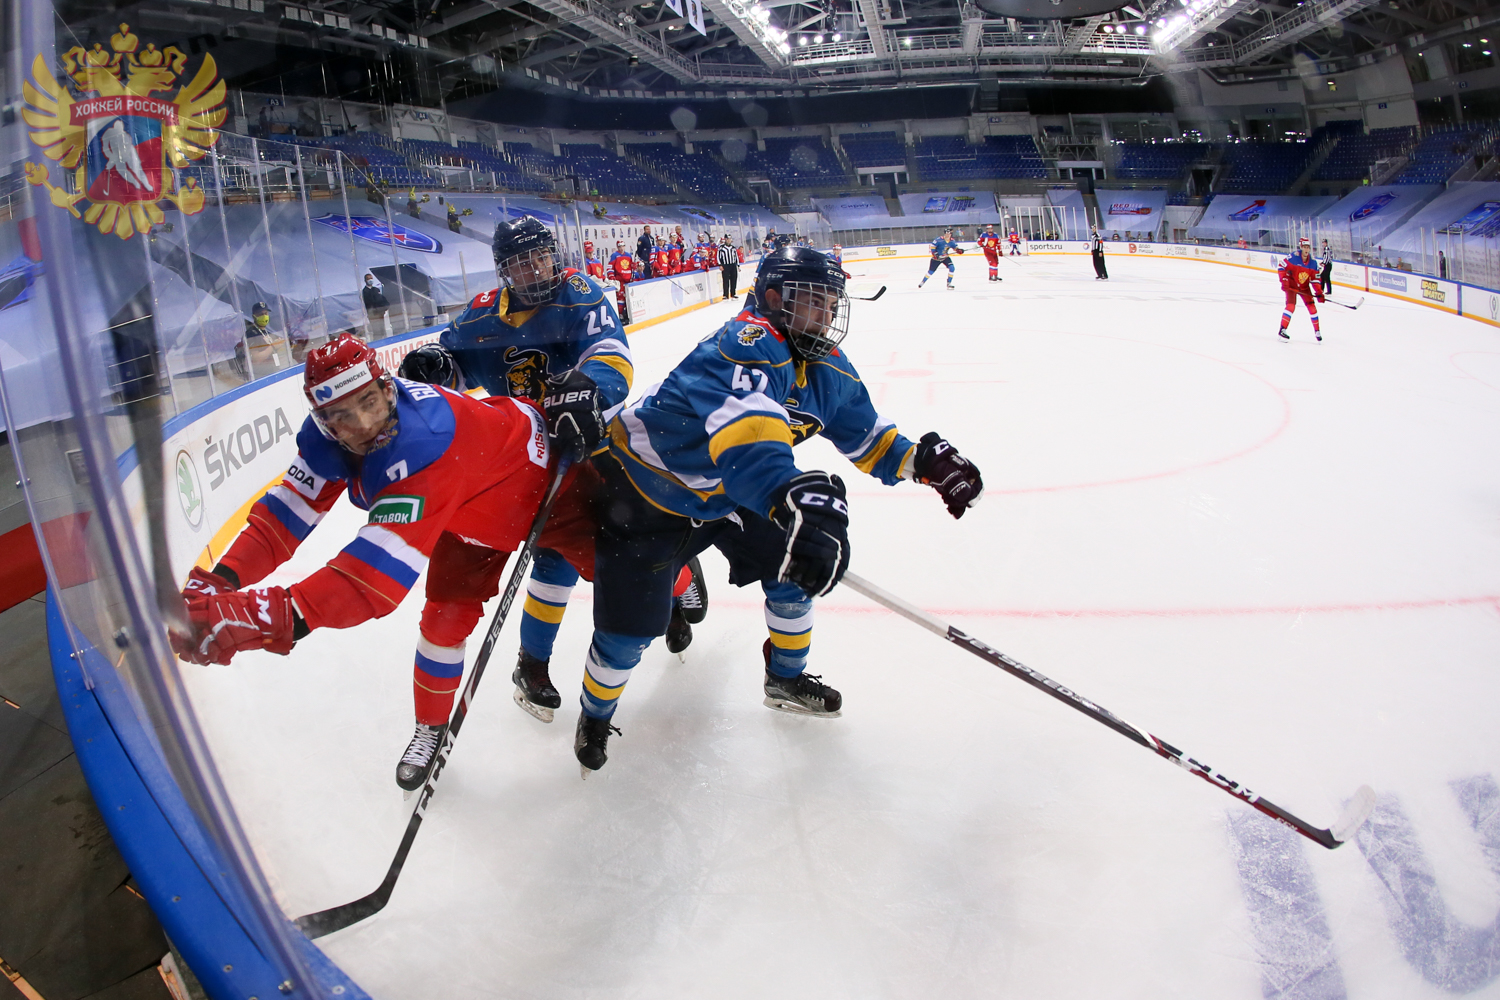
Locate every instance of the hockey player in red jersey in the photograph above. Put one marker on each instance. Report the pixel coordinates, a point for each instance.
(1015, 243)
(451, 484)
(592, 266)
(675, 252)
(989, 242)
(661, 262)
(1299, 277)
(622, 271)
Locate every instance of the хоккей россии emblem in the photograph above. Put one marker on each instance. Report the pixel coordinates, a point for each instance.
(100, 120)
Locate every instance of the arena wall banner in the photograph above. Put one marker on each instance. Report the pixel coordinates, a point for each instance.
(1432, 292)
(657, 299)
(1482, 304)
(223, 454)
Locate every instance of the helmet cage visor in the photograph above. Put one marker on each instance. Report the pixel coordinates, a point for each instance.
(814, 316)
(534, 275)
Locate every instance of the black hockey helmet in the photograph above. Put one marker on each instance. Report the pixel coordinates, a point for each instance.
(526, 257)
(814, 309)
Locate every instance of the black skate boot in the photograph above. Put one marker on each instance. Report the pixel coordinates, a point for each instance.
(590, 741)
(805, 694)
(1284, 335)
(688, 609)
(416, 763)
(534, 691)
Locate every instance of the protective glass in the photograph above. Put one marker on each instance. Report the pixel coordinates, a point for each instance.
(360, 422)
(815, 316)
(533, 275)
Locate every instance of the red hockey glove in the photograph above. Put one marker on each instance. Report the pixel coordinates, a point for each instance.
(202, 583)
(224, 624)
(938, 464)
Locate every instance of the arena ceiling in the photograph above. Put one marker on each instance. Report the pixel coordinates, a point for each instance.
(425, 51)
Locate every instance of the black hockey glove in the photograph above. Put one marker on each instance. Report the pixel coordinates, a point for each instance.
(813, 510)
(433, 364)
(939, 465)
(574, 422)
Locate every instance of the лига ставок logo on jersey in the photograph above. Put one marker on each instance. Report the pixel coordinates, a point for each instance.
(100, 121)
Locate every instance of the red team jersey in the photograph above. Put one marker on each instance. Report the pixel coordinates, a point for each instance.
(594, 268)
(621, 267)
(989, 243)
(1299, 278)
(475, 469)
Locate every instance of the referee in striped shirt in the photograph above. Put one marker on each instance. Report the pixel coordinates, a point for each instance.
(729, 267)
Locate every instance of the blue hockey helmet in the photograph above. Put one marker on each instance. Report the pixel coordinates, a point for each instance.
(812, 307)
(526, 257)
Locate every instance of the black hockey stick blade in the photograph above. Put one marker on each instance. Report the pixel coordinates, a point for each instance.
(315, 925)
(869, 298)
(1347, 305)
(1354, 815)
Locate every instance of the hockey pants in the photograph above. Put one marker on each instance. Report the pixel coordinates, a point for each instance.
(1291, 307)
(992, 257)
(461, 576)
(641, 550)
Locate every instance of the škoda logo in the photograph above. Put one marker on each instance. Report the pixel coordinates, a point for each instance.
(100, 120)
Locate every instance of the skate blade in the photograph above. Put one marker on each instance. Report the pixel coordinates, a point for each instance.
(584, 772)
(406, 795)
(797, 708)
(530, 707)
(682, 656)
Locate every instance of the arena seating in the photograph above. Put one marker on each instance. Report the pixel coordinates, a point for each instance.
(599, 169)
(874, 149)
(1352, 157)
(952, 158)
(1159, 160)
(1439, 154)
(797, 162)
(696, 172)
(1257, 167)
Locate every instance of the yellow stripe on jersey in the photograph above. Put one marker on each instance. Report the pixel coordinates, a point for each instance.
(552, 614)
(749, 430)
(876, 453)
(616, 362)
(801, 640)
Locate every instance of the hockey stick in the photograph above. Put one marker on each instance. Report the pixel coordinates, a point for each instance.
(1357, 811)
(869, 298)
(1347, 305)
(315, 925)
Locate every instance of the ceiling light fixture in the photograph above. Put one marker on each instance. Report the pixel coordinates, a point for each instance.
(817, 39)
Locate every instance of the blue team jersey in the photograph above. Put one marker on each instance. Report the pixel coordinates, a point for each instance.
(941, 247)
(718, 433)
(510, 350)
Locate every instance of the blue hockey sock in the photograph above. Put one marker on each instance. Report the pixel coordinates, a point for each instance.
(547, 593)
(611, 658)
(789, 618)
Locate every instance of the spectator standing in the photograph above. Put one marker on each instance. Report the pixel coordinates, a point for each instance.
(643, 251)
(1442, 265)
(376, 305)
(729, 267)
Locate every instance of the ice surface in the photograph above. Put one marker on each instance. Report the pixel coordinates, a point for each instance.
(1283, 558)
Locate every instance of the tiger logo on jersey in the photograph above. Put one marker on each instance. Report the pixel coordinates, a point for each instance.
(526, 372)
(751, 334)
(579, 285)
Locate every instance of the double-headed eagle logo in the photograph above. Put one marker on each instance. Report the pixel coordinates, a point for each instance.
(100, 121)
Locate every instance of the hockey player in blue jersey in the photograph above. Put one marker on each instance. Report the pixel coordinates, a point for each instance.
(940, 250)
(549, 334)
(706, 459)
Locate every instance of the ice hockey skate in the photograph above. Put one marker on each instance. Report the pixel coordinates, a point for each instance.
(590, 741)
(804, 694)
(534, 692)
(416, 762)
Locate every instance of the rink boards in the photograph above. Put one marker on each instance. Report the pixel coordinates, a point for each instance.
(1458, 298)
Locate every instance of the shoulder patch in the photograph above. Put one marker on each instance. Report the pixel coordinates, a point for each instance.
(579, 284)
(397, 509)
(484, 299)
(750, 334)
